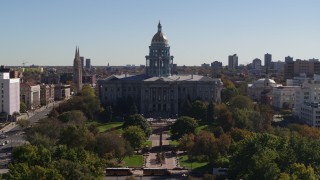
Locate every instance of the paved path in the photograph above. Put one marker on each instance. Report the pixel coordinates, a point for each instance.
(170, 160)
(8, 127)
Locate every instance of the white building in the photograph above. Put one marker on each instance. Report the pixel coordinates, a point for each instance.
(283, 96)
(30, 95)
(297, 80)
(10, 92)
(256, 88)
(307, 101)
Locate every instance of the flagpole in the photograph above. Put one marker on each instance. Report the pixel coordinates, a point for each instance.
(159, 64)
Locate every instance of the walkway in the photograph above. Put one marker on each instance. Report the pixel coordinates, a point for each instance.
(170, 160)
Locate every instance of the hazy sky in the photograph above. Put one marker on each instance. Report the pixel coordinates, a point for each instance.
(120, 32)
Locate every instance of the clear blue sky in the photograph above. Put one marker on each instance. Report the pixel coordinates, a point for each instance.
(120, 32)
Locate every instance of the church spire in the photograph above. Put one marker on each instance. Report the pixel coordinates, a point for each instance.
(75, 56)
(159, 27)
(78, 54)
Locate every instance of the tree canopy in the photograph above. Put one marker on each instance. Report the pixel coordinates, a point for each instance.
(135, 136)
(140, 121)
(183, 125)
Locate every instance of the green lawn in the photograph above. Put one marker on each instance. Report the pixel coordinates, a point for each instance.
(185, 162)
(103, 127)
(108, 126)
(148, 143)
(173, 142)
(133, 161)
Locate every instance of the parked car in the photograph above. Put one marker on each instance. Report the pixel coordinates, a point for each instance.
(3, 136)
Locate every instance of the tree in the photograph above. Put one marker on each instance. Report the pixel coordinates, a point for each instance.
(183, 125)
(26, 153)
(210, 112)
(256, 157)
(241, 118)
(258, 121)
(18, 171)
(240, 134)
(109, 113)
(199, 110)
(186, 108)
(47, 130)
(23, 107)
(205, 145)
(87, 91)
(300, 171)
(73, 116)
(111, 145)
(23, 123)
(224, 143)
(133, 109)
(77, 136)
(186, 142)
(138, 120)
(87, 102)
(241, 102)
(53, 113)
(267, 113)
(224, 117)
(135, 136)
(228, 93)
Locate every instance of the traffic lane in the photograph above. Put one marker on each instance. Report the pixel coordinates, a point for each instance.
(13, 140)
(42, 112)
(39, 115)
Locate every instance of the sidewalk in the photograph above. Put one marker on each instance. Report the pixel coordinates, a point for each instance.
(24, 116)
(8, 127)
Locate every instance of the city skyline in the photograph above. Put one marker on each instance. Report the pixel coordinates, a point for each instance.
(120, 32)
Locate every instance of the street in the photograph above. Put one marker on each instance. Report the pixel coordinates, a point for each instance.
(13, 135)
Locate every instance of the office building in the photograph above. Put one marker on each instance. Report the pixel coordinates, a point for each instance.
(9, 94)
(295, 68)
(233, 61)
(267, 60)
(256, 64)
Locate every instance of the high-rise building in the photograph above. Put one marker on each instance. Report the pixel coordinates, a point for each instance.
(278, 66)
(233, 61)
(288, 59)
(216, 68)
(159, 62)
(88, 63)
(9, 93)
(295, 68)
(256, 64)
(267, 60)
(82, 61)
(77, 71)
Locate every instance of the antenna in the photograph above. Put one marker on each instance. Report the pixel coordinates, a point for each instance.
(24, 63)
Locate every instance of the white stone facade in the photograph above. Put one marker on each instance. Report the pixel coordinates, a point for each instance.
(283, 97)
(30, 95)
(307, 99)
(9, 93)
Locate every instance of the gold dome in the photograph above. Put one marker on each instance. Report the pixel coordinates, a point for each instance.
(159, 37)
